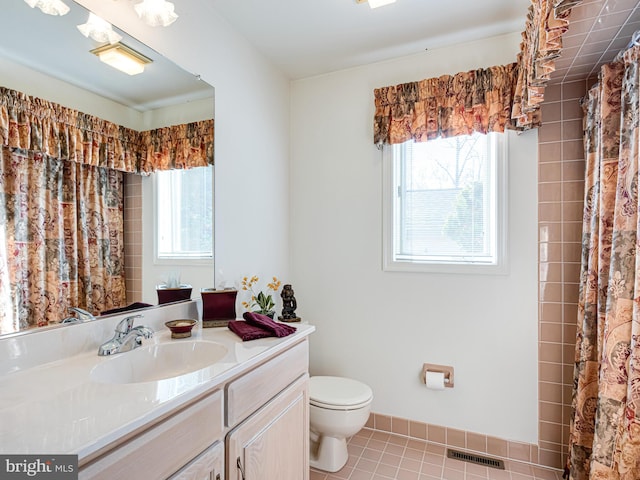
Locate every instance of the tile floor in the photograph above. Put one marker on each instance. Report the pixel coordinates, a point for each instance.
(375, 455)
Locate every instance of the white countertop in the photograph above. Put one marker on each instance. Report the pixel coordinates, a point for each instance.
(56, 407)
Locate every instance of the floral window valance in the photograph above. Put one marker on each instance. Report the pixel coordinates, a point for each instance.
(34, 124)
(484, 100)
(446, 106)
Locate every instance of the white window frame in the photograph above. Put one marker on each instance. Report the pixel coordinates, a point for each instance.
(180, 260)
(391, 264)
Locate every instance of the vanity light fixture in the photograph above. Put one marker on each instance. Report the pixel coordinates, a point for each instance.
(156, 12)
(50, 7)
(376, 3)
(98, 29)
(123, 58)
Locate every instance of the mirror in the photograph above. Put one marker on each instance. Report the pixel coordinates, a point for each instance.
(56, 64)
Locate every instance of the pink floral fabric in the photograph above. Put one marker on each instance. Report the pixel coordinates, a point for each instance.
(31, 123)
(605, 426)
(484, 100)
(547, 21)
(61, 241)
(475, 101)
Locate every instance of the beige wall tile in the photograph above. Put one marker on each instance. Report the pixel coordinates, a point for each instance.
(550, 172)
(519, 451)
(551, 112)
(550, 392)
(549, 192)
(571, 130)
(550, 132)
(400, 426)
(456, 438)
(551, 412)
(497, 447)
(551, 312)
(477, 442)
(550, 212)
(418, 430)
(550, 332)
(550, 152)
(550, 352)
(436, 434)
(550, 372)
(383, 422)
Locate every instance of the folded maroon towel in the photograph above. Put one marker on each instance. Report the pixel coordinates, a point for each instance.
(264, 322)
(246, 331)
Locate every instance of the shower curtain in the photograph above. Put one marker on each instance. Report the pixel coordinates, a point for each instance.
(605, 425)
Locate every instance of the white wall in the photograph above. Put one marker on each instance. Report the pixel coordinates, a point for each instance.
(251, 138)
(26, 80)
(380, 327)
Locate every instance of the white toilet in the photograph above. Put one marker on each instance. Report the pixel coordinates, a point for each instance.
(338, 408)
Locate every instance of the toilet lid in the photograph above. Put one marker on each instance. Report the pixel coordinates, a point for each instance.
(338, 392)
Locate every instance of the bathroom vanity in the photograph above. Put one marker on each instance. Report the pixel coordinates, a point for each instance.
(245, 416)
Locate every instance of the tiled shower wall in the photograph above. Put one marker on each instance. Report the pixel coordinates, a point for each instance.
(133, 236)
(560, 204)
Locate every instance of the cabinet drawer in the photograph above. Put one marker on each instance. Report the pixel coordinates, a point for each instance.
(164, 448)
(206, 466)
(248, 393)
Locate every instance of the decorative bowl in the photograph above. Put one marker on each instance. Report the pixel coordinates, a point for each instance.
(181, 328)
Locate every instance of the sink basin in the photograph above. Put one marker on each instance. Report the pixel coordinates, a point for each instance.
(158, 362)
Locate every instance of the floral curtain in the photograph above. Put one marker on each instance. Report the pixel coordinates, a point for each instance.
(31, 123)
(605, 426)
(474, 101)
(61, 241)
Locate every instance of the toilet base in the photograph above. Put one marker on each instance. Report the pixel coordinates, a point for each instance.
(331, 454)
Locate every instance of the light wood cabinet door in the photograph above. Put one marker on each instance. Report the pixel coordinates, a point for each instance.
(273, 443)
(209, 465)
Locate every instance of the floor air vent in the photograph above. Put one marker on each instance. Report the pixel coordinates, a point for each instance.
(477, 459)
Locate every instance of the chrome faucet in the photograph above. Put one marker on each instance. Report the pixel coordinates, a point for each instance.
(127, 337)
(83, 315)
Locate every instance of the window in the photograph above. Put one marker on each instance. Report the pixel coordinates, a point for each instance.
(445, 205)
(184, 214)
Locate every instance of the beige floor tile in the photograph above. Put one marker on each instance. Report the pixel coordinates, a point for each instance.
(381, 456)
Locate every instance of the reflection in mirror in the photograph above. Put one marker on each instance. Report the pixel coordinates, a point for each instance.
(57, 66)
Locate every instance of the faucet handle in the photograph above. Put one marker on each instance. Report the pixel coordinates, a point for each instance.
(125, 325)
(82, 314)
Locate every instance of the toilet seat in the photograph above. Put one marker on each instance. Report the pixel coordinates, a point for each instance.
(338, 393)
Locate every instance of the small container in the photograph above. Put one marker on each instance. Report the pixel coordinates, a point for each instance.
(181, 328)
(170, 295)
(218, 306)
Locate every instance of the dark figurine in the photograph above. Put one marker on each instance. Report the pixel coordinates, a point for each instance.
(289, 305)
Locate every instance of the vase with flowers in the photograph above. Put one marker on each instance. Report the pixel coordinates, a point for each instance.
(260, 302)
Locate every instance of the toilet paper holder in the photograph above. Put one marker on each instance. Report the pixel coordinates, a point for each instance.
(447, 370)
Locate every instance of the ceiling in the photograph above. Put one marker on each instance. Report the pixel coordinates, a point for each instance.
(598, 31)
(306, 38)
(309, 38)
